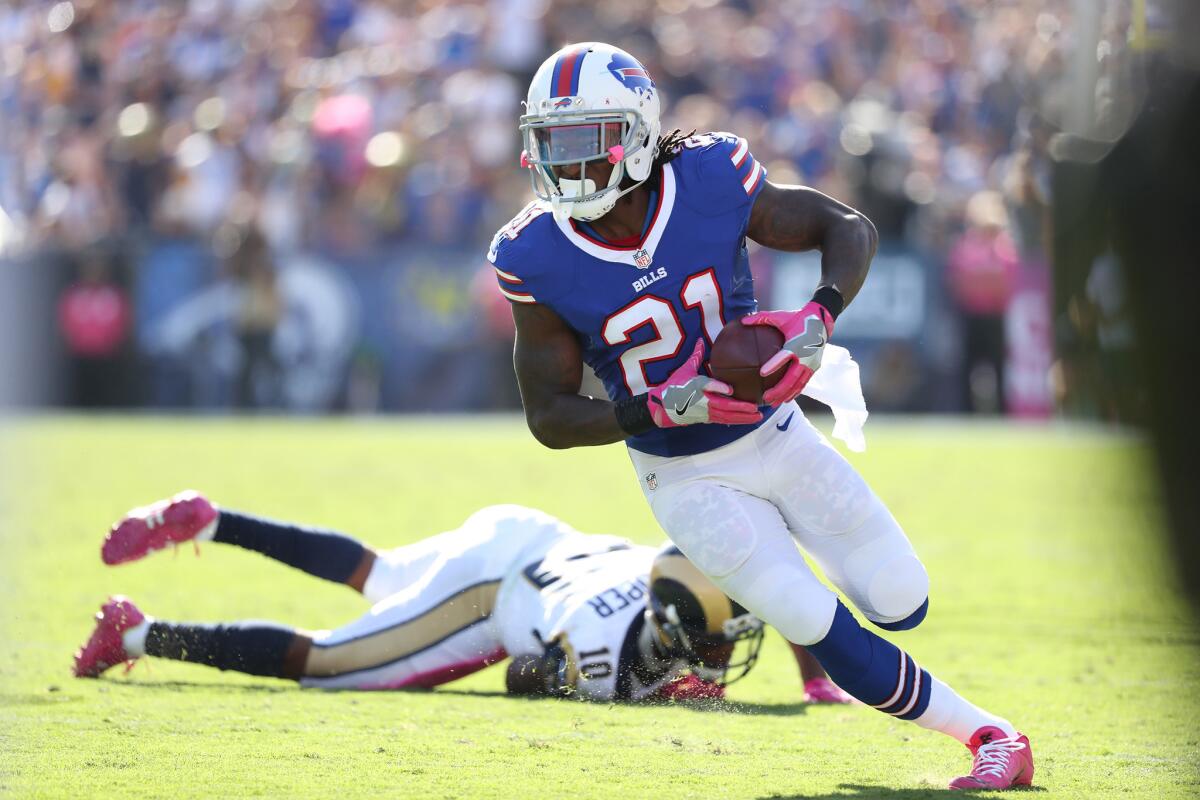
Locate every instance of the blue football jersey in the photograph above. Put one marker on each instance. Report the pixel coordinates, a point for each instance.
(639, 310)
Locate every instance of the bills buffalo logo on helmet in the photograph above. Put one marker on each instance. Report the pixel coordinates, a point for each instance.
(563, 102)
(631, 74)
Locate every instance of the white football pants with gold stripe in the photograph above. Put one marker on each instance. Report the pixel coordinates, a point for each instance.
(432, 618)
(738, 512)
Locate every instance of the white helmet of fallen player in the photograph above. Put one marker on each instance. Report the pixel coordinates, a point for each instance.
(695, 621)
(588, 102)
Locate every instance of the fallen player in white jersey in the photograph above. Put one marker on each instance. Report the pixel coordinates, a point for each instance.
(591, 616)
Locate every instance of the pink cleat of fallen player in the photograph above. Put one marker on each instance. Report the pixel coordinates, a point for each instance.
(825, 691)
(1001, 762)
(144, 530)
(105, 648)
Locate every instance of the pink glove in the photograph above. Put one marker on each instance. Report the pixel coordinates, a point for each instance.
(804, 335)
(688, 398)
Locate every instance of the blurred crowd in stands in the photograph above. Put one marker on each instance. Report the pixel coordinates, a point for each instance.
(173, 162)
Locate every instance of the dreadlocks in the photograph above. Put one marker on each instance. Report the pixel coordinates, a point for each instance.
(669, 145)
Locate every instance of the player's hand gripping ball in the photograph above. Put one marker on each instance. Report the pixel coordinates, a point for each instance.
(689, 398)
(805, 333)
(738, 356)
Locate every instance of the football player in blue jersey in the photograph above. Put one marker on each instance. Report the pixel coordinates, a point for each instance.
(631, 260)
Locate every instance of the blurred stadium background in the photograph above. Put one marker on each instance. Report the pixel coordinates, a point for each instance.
(216, 206)
(285, 204)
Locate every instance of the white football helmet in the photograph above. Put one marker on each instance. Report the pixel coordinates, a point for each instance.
(587, 102)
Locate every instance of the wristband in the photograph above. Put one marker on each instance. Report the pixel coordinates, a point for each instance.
(830, 299)
(633, 415)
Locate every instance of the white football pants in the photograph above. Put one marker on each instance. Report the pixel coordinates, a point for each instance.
(738, 512)
(432, 619)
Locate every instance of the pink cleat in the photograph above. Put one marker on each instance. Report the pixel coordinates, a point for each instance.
(1001, 762)
(823, 690)
(144, 530)
(106, 648)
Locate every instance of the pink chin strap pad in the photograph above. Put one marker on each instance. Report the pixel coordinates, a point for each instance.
(524, 160)
(616, 154)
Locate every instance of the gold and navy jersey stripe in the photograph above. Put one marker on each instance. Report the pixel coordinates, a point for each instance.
(458, 612)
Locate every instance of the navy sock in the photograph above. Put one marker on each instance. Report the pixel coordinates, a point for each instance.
(325, 554)
(871, 668)
(256, 648)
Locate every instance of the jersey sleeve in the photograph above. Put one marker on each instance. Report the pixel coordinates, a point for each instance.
(729, 173)
(514, 256)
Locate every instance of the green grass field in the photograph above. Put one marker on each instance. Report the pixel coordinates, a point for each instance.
(1053, 603)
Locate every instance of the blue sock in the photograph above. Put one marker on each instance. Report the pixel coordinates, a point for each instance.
(872, 669)
(325, 554)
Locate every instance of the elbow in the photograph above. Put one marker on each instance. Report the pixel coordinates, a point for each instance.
(551, 441)
(545, 432)
(866, 232)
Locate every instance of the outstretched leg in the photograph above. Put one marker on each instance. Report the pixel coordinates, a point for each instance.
(322, 553)
(190, 516)
(124, 634)
(407, 642)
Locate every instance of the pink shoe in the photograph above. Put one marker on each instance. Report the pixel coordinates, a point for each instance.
(105, 648)
(1001, 762)
(144, 530)
(823, 690)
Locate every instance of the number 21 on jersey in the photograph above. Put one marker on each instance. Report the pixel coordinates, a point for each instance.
(700, 294)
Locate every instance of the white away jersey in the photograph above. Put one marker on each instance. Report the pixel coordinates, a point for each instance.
(591, 591)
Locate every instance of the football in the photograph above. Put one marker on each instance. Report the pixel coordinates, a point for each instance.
(737, 355)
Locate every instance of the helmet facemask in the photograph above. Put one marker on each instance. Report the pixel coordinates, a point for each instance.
(576, 139)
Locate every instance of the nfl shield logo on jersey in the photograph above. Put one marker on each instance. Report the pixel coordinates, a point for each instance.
(651, 481)
(642, 258)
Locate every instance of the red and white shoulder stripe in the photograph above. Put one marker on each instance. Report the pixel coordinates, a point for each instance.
(748, 168)
(507, 277)
(517, 297)
(508, 283)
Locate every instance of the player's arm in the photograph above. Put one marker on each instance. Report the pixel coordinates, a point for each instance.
(796, 218)
(549, 365)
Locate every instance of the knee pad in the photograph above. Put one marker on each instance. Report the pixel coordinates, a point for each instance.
(899, 593)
